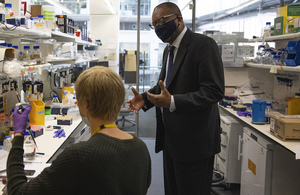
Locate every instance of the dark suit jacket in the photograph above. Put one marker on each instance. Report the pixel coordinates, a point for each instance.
(192, 132)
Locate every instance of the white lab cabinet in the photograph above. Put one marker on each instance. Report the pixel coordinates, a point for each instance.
(227, 161)
(256, 172)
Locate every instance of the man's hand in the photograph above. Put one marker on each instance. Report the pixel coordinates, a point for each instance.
(137, 102)
(161, 100)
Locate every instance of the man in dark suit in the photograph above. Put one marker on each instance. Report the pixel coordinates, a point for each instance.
(191, 83)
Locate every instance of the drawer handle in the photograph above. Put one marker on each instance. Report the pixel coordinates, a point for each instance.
(239, 147)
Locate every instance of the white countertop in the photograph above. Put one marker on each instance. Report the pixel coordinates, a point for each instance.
(264, 129)
(49, 145)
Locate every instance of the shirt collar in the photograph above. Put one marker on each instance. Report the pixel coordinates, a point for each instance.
(178, 39)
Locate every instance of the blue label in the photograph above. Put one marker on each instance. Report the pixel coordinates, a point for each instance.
(41, 112)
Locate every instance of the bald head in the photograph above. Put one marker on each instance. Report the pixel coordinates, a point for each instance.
(172, 8)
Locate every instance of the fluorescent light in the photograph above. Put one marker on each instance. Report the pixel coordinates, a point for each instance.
(56, 4)
(110, 7)
(241, 6)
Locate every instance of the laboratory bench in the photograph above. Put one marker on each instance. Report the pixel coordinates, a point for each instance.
(263, 129)
(51, 147)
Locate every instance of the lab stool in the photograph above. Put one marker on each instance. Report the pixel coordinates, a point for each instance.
(123, 113)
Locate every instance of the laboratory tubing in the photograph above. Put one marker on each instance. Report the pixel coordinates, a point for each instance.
(36, 55)
(26, 53)
(8, 10)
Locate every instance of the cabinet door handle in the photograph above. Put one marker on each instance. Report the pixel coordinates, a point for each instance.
(239, 147)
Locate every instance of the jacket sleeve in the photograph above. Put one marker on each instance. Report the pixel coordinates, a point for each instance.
(59, 178)
(210, 78)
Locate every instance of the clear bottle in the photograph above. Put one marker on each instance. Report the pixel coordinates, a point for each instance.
(36, 55)
(55, 106)
(65, 99)
(40, 23)
(73, 112)
(7, 143)
(268, 58)
(266, 30)
(8, 10)
(29, 146)
(26, 53)
(289, 27)
(269, 113)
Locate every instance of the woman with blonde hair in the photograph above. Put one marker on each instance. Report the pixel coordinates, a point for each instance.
(110, 162)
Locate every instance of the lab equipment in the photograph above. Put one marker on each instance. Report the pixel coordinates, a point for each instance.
(29, 146)
(227, 161)
(26, 53)
(55, 107)
(266, 31)
(36, 55)
(259, 54)
(40, 23)
(289, 28)
(8, 10)
(256, 159)
(258, 112)
(37, 113)
(64, 121)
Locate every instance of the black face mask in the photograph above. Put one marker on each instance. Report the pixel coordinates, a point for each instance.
(166, 30)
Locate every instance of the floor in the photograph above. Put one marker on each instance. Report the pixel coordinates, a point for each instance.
(147, 132)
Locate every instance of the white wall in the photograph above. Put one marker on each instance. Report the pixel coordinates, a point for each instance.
(104, 26)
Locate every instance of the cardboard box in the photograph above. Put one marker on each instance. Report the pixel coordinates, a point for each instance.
(285, 128)
(36, 10)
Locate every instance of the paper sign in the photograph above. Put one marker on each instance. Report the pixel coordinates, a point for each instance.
(298, 152)
(130, 62)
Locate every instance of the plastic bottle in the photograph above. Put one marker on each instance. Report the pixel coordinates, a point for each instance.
(268, 58)
(36, 55)
(65, 100)
(267, 30)
(269, 112)
(29, 146)
(289, 27)
(73, 112)
(7, 143)
(55, 107)
(26, 53)
(40, 23)
(8, 10)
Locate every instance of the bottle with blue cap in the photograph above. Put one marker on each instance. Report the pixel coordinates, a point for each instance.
(40, 23)
(8, 10)
(36, 55)
(56, 106)
(26, 53)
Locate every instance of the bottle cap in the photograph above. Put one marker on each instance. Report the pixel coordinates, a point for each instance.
(36, 47)
(9, 45)
(276, 57)
(11, 132)
(8, 5)
(15, 46)
(26, 133)
(26, 47)
(268, 104)
(8, 136)
(268, 23)
(41, 16)
(55, 95)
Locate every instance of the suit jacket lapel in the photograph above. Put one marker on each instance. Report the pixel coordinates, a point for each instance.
(180, 54)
